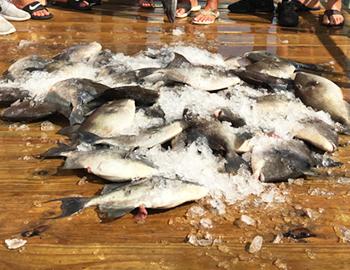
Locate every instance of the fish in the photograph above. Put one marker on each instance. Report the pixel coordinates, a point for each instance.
(205, 78)
(79, 53)
(109, 164)
(25, 66)
(236, 62)
(110, 119)
(27, 110)
(9, 95)
(169, 7)
(117, 200)
(278, 69)
(68, 97)
(322, 94)
(259, 79)
(318, 133)
(142, 96)
(225, 114)
(220, 139)
(103, 58)
(279, 160)
(146, 139)
(273, 103)
(256, 56)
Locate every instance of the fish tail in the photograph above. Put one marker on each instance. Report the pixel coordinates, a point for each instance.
(70, 205)
(314, 67)
(59, 151)
(88, 137)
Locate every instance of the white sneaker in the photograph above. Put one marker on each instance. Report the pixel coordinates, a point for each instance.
(6, 27)
(10, 12)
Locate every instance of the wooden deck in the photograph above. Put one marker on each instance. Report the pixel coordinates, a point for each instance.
(82, 242)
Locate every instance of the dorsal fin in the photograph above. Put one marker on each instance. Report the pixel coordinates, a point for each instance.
(178, 61)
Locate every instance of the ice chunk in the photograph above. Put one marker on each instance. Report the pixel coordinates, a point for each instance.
(256, 245)
(47, 126)
(195, 211)
(248, 220)
(15, 243)
(206, 223)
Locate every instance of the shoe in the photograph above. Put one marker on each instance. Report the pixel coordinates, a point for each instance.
(286, 14)
(188, 9)
(6, 27)
(329, 13)
(36, 6)
(10, 12)
(213, 13)
(251, 6)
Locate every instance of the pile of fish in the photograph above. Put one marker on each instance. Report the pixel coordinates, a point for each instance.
(177, 124)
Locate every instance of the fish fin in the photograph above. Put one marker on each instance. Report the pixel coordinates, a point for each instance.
(71, 163)
(108, 188)
(88, 137)
(77, 116)
(114, 213)
(70, 205)
(69, 130)
(313, 67)
(178, 61)
(59, 151)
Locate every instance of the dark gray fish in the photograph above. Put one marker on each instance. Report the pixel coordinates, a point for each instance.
(27, 110)
(225, 114)
(142, 96)
(103, 58)
(318, 133)
(118, 200)
(70, 96)
(220, 139)
(256, 56)
(259, 79)
(280, 160)
(169, 7)
(25, 65)
(9, 95)
(322, 94)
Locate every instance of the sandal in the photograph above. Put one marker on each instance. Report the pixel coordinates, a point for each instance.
(146, 4)
(37, 6)
(188, 9)
(73, 4)
(214, 13)
(302, 7)
(329, 13)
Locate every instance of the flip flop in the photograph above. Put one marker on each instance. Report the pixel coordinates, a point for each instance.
(301, 7)
(188, 9)
(72, 4)
(329, 13)
(210, 12)
(37, 6)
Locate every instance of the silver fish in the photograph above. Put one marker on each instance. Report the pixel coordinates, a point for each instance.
(146, 139)
(79, 53)
(318, 133)
(205, 78)
(280, 160)
(279, 69)
(25, 65)
(108, 164)
(110, 119)
(322, 94)
(118, 200)
(256, 56)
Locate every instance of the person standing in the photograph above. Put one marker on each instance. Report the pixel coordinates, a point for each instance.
(8, 11)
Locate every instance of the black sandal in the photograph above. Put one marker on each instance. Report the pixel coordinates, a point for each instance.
(301, 7)
(37, 6)
(73, 4)
(329, 13)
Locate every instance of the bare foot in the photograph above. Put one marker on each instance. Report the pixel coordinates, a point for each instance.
(181, 11)
(209, 14)
(146, 3)
(334, 19)
(311, 3)
(22, 3)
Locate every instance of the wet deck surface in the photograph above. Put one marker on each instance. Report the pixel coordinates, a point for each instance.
(82, 242)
